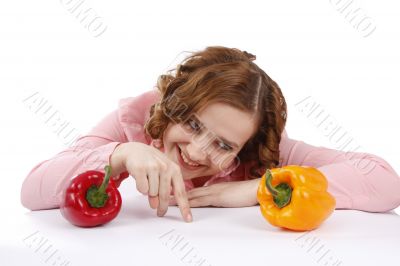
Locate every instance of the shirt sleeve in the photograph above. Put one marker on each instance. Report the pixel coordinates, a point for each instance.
(357, 180)
(43, 186)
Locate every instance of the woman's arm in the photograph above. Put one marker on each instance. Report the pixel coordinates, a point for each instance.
(360, 181)
(42, 187)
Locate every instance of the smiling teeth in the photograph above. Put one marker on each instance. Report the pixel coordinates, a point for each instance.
(187, 161)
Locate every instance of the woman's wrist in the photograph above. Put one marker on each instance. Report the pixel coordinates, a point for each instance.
(117, 160)
(254, 183)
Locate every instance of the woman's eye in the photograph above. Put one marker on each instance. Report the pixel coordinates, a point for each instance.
(224, 146)
(193, 125)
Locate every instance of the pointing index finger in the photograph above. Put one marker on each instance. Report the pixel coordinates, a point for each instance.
(181, 197)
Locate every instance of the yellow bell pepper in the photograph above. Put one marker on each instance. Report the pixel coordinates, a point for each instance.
(295, 197)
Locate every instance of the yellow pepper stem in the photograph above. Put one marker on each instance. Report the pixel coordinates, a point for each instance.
(281, 194)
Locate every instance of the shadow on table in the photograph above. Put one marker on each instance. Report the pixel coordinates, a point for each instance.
(343, 222)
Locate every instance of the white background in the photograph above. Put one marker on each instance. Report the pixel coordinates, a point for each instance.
(308, 47)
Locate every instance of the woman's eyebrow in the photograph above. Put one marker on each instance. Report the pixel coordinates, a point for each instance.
(231, 143)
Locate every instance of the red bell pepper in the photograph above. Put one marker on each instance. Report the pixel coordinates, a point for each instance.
(91, 199)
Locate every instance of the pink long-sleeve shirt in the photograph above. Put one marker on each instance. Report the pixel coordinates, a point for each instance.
(357, 180)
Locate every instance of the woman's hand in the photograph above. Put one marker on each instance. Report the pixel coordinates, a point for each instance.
(225, 194)
(155, 175)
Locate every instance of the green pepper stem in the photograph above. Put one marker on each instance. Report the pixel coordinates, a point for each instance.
(97, 196)
(270, 188)
(103, 187)
(281, 194)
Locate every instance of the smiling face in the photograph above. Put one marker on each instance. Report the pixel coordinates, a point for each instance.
(209, 140)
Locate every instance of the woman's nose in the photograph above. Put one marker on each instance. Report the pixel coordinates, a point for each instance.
(196, 152)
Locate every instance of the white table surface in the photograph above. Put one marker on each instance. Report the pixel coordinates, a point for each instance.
(217, 236)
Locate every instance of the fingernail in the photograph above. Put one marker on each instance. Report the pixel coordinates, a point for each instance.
(189, 218)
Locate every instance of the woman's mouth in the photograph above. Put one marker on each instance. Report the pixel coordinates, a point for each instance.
(184, 162)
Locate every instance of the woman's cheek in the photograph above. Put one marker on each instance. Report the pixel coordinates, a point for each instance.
(228, 161)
